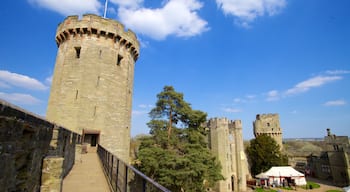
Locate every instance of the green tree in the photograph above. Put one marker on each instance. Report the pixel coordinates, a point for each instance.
(176, 155)
(170, 105)
(263, 153)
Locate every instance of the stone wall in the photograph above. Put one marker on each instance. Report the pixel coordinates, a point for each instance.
(25, 141)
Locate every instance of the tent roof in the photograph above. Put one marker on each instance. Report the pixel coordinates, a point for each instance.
(284, 171)
(262, 176)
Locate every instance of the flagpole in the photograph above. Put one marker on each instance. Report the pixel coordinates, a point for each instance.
(105, 12)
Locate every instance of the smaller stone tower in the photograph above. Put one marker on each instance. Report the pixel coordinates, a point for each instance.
(268, 124)
(226, 143)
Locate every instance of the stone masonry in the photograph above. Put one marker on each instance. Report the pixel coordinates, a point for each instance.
(93, 80)
(226, 143)
(35, 154)
(268, 124)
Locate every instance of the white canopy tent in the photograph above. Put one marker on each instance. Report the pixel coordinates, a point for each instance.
(276, 175)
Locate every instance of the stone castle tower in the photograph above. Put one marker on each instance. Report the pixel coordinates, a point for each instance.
(226, 143)
(92, 85)
(268, 124)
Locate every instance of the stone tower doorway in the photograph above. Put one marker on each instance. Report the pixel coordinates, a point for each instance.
(90, 140)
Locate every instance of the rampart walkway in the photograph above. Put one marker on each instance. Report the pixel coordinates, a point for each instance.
(86, 175)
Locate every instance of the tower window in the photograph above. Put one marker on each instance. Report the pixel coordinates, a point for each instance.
(119, 59)
(100, 54)
(98, 81)
(77, 52)
(95, 109)
(268, 124)
(76, 95)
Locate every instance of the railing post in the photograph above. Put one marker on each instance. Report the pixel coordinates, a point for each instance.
(117, 175)
(108, 173)
(126, 179)
(111, 171)
(144, 186)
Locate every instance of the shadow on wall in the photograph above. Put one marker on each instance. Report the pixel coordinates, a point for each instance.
(25, 141)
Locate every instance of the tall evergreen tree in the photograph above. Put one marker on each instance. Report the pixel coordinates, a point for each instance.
(263, 153)
(176, 155)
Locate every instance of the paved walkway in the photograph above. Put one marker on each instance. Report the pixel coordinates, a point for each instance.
(86, 176)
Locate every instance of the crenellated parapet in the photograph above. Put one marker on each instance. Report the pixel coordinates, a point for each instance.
(218, 123)
(268, 124)
(93, 25)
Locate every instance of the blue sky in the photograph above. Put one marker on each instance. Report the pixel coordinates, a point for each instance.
(230, 58)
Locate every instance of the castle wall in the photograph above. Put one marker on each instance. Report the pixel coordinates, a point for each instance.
(268, 124)
(26, 141)
(93, 80)
(226, 143)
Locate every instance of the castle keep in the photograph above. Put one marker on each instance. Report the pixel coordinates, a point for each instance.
(268, 124)
(92, 86)
(226, 143)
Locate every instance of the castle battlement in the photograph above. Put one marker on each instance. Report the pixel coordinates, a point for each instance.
(268, 124)
(218, 122)
(91, 24)
(268, 115)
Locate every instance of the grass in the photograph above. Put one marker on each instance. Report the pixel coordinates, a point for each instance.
(311, 185)
(264, 190)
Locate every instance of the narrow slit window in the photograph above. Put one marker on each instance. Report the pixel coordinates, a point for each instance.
(119, 59)
(98, 81)
(77, 52)
(95, 111)
(100, 54)
(76, 95)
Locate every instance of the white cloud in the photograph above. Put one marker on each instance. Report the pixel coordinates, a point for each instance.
(128, 3)
(247, 98)
(139, 112)
(339, 102)
(145, 106)
(232, 110)
(70, 7)
(4, 85)
(337, 72)
(48, 80)
(22, 81)
(237, 100)
(245, 11)
(273, 95)
(294, 112)
(306, 85)
(251, 97)
(176, 17)
(19, 98)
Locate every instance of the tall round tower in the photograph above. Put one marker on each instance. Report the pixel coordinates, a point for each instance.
(92, 86)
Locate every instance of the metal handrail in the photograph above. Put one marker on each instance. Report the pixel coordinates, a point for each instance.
(124, 177)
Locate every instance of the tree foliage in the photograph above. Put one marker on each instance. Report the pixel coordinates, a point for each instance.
(176, 155)
(263, 153)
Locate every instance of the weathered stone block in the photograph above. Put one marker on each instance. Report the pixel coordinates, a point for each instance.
(51, 179)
